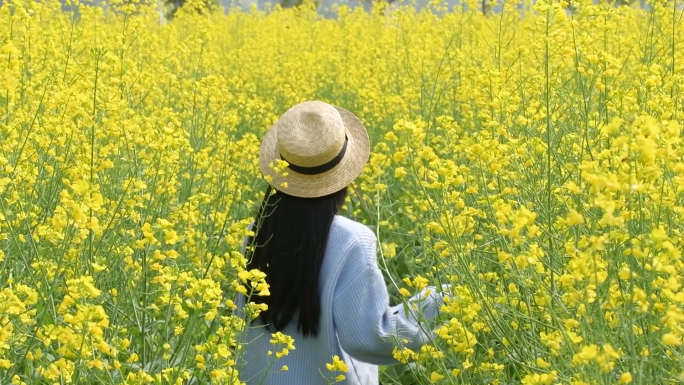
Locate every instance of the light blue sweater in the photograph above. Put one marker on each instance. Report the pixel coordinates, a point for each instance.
(356, 322)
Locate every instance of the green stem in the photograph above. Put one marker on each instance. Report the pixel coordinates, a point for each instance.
(548, 158)
(91, 233)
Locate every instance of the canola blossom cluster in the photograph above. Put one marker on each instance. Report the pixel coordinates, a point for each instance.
(531, 158)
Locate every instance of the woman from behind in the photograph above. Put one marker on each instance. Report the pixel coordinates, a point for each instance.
(326, 290)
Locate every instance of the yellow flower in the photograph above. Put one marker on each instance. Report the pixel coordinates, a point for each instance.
(200, 362)
(435, 377)
(670, 339)
(574, 218)
(97, 267)
(539, 379)
(403, 355)
(543, 364)
(625, 378)
(420, 282)
(586, 355)
(337, 365)
(170, 237)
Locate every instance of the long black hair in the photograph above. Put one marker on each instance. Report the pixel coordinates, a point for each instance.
(289, 246)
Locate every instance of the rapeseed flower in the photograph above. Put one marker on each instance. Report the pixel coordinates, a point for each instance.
(532, 158)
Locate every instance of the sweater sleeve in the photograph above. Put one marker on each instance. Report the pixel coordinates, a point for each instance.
(245, 239)
(368, 328)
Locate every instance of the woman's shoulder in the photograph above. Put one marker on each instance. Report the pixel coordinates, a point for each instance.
(355, 240)
(352, 228)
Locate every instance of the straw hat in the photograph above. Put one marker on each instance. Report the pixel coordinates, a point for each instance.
(326, 148)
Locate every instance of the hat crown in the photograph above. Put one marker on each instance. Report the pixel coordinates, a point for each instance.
(310, 134)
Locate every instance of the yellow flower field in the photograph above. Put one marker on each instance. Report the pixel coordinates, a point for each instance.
(532, 158)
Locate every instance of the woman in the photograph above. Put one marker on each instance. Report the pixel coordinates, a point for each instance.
(326, 290)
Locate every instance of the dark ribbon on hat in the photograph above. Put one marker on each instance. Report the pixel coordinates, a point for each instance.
(320, 168)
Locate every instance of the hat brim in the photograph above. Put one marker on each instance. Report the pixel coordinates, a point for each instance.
(312, 186)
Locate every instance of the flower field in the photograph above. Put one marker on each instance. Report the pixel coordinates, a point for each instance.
(532, 158)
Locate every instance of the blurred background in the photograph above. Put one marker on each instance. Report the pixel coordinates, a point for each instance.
(325, 7)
